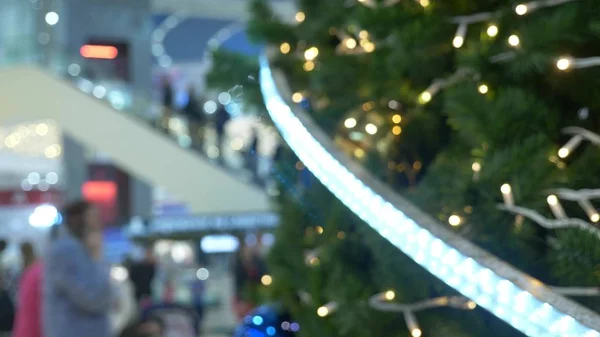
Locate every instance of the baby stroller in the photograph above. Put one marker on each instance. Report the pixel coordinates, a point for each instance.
(177, 320)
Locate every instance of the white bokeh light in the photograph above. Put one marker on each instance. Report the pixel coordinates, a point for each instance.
(52, 18)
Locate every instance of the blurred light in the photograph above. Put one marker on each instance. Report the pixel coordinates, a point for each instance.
(158, 49)
(165, 61)
(552, 200)
(471, 305)
(397, 130)
(564, 63)
(266, 280)
(99, 91)
(180, 252)
(41, 129)
(295, 327)
(85, 85)
(33, 178)
(350, 123)
(224, 98)
(396, 118)
(505, 189)
(425, 97)
(119, 273)
(26, 185)
(99, 52)
(43, 38)
(320, 230)
(237, 144)
(271, 331)
(210, 107)
(514, 40)
(483, 89)
(369, 47)
(476, 167)
(564, 152)
(341, 235)
(212, 152)
(309, 66)
(416, 332)
(424, 3)
(285, 326)
(492, 31)
(595, 217)
(162, 247)
(202, 274)
(43, 186)
(454, 220)
(285, 48)
(251, 240)
(297, 97)
(521, 9)
(350, 43)
(371, 129)
(52, 178)
(212, 244)
(311, 53)
(300, 16)
(359, 153)
(363, 34)
(268, 239)
(52, 18)
(117, 99)
(44, 216)
(74, 69)
(257, 320)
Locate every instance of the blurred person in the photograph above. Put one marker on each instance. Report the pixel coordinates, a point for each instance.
(251, 154)
(7, 306)
(167, 102)
(28, 318)
(142, 274)
(77, 289)
(222, 117)
(153, 326)
(196, 119)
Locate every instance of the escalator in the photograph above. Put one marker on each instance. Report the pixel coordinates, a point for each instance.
(33, 87)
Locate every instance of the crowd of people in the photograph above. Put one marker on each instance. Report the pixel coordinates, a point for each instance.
(69, 291)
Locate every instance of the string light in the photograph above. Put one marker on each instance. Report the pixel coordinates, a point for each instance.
(371, 128)
(363, 34)
(521, 9)
(424, 3)
(507, 194)
(285, 48)
(349, 123)
(369, 47)
(309, 66)
(397, 130)
(390, 295)
(454, 220)
(492, 31)
(350, 43)
(396, 118)
(563, 63)
(297, 97)
(266, 280)
(514, 40)
(327, 309)
(311, 53)
(459, 37)
(300, 16)
(476, 167)
(483, 89)
(425, 97)
(320, 230)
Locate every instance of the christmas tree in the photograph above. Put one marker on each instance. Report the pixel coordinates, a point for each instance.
(482, 113)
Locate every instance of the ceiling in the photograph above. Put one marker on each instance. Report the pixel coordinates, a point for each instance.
(218, 9)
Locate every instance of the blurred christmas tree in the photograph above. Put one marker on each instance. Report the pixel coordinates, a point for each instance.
(461, 106)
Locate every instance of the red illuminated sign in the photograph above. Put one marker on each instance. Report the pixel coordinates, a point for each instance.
(99, 52)
(104, 195)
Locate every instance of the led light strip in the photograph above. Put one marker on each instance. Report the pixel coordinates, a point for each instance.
(509, 294)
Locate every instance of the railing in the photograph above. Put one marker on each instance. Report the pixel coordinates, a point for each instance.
(90, 78)
(520, 300)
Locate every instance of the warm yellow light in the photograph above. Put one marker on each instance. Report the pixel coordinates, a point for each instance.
(322, 311)
(359, 153)
(476, 167)
(309, 66)
(297, 97)
(416, 333)
(237, 144)
(552, 200)
(314, 261)
(363, 34)
(266, 280)
(471, 305)
(41, 129)
(425, 97)
(311, 53)
(397, 130)
(595, 217)
(320, 230)
(521, 9)
(424, 3)
(369, 47)
(505, 189)
(341, 235)
(563, 64)
(371, 128)
(563, 152)
(396, 118)
(350, 43)
(285, 48)
(350, 123)
(390, 295)
(483, 89)
(514, 40)
(454, 220)
(458, 41)
(300, 16)
(492, 31)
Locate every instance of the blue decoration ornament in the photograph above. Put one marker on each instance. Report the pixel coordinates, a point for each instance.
(267, 321)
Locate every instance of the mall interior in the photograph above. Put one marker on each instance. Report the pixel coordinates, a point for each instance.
(299, 168)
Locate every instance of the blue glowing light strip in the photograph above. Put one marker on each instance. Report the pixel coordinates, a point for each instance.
(512, 296)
